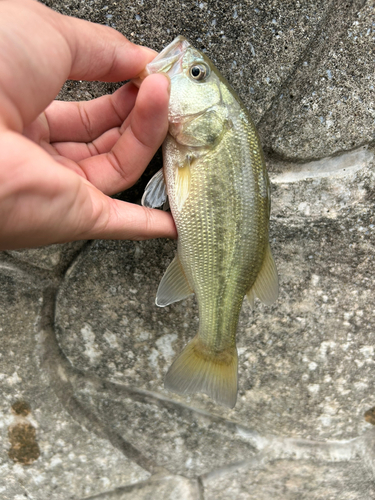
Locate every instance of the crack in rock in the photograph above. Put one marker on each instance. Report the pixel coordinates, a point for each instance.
(63, 378)
(170, 486)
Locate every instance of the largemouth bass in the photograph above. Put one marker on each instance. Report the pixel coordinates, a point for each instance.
(218, 190)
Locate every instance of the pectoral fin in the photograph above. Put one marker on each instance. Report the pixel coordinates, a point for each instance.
(182, 182)
(155, 194)
(173, 286)
(266, 286)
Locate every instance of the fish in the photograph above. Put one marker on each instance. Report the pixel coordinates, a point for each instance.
(215, 181)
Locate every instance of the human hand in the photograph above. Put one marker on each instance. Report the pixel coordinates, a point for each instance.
(60, 160)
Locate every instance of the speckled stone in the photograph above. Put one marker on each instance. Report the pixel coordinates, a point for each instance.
(291, 480)
(328, 105)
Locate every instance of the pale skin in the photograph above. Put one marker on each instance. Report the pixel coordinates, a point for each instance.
(60, 161)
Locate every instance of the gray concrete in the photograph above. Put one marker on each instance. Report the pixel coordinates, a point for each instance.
(84, 346)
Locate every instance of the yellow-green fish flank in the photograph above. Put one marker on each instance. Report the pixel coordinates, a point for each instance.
(218, 189)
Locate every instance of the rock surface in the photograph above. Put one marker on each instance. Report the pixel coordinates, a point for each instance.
(84, 349)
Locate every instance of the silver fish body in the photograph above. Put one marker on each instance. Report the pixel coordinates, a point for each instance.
(219, 196)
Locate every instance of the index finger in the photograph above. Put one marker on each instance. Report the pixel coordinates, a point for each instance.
(44, 48)
(102, 53)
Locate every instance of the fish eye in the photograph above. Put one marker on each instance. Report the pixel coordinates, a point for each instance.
(199, 72)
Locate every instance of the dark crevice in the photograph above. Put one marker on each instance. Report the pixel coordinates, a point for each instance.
(200, 488)
(133, 488)
(42, 275)
(64, 265)
(11, 265)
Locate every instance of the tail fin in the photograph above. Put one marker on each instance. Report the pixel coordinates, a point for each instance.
(197, 369)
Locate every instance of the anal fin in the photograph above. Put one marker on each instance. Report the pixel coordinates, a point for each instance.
(173, 286)
(266, 286)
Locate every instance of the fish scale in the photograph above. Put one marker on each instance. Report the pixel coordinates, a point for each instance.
(220, 288)
(218, 190)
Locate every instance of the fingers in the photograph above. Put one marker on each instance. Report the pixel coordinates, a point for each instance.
(45, 48)
(78, 151)
(147, 127)
(85, 121)
(35, 63)
(120, 220)
(102, 53)
(42, 202)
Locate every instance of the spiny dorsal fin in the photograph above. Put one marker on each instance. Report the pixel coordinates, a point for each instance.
(173, 286)
(156, 191)
(198, 370)
(182, 182)
(266, 286)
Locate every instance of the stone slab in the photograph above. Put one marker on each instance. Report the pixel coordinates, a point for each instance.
(72, 462)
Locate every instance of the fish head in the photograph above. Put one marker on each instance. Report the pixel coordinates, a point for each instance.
(195, 82)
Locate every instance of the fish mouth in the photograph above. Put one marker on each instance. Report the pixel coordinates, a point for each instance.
(165, 61)
(167, 58)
